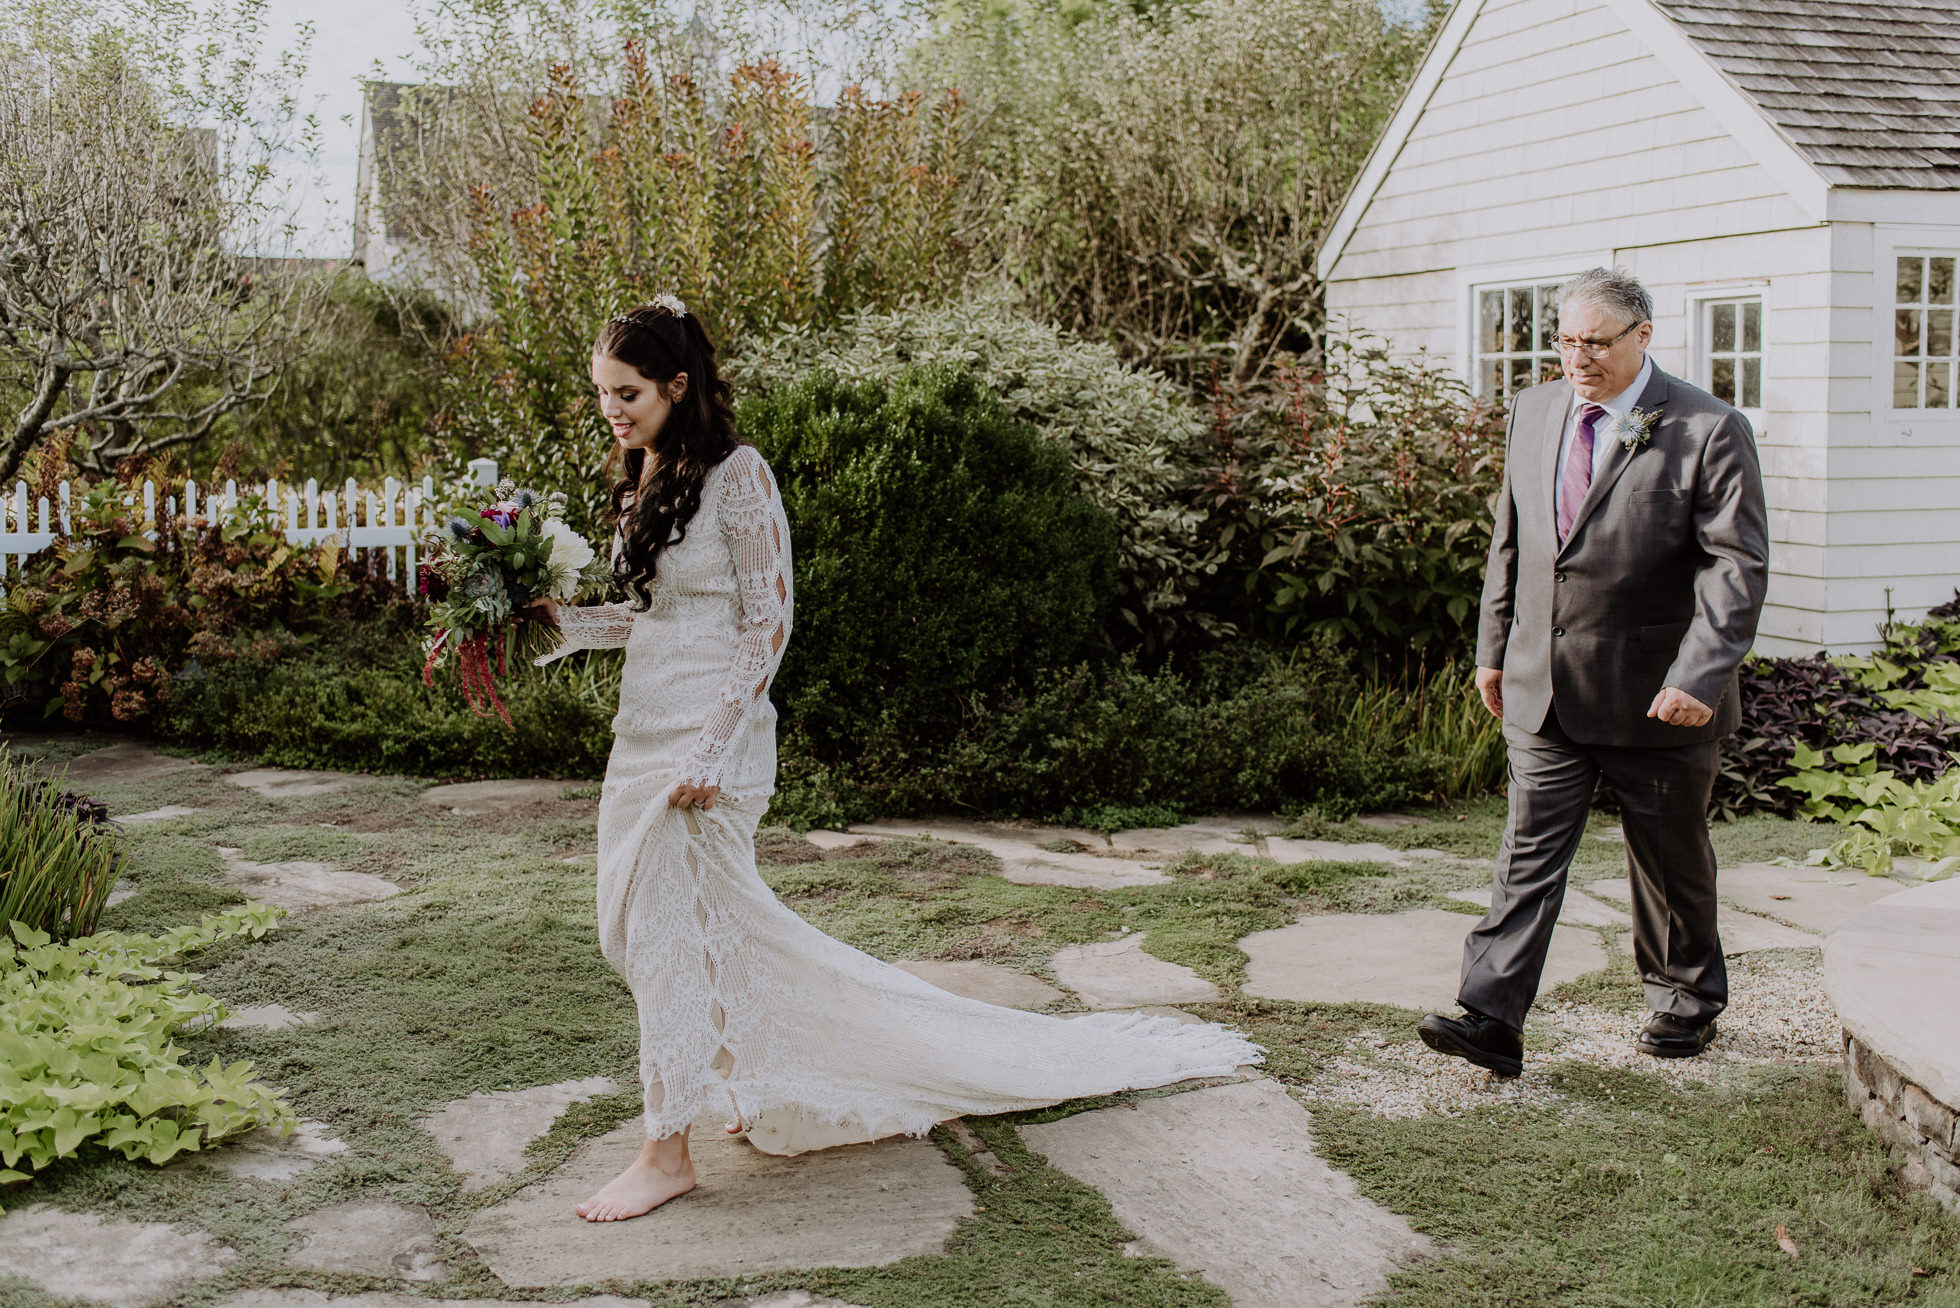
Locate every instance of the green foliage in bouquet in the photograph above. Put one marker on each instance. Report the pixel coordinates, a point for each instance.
(94, 626)
(481, 570)
(943, 549)
(88, 1055)
(58, 857)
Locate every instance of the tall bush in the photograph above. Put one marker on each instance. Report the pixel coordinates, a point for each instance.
(942, 550)
(632, 180)
(1161, 175)
(1134, 435)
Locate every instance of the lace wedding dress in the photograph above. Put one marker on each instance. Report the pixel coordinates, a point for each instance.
(742, 1003)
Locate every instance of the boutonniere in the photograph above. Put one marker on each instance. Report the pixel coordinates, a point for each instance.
(1634, 428)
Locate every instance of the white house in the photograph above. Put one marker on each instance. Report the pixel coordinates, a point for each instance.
(1785, 177)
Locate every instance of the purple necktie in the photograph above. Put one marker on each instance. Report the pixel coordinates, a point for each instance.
(1572, 487)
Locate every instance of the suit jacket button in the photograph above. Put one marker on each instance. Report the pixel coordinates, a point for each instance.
(1558, 576)
(1558, 631)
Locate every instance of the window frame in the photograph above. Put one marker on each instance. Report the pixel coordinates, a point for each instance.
(1701, 302)
(1892, 243)
(1471, 282)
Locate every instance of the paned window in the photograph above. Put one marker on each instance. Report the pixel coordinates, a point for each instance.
(1924, 359)
(1733, 330)
(1516, 331)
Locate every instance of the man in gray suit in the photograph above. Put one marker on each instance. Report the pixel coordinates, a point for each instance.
(1627, 568)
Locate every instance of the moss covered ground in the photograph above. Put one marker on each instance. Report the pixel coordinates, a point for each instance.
(485, 974)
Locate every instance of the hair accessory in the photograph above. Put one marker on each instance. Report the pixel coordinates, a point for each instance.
(665, 300)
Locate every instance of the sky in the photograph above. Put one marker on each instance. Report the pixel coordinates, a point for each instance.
(349, 36)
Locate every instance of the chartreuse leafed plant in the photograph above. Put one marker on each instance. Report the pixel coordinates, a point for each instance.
(1881, 813)
(57, 865)
(87, 1054)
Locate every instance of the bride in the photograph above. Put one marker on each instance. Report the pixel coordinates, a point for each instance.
(741, 1002)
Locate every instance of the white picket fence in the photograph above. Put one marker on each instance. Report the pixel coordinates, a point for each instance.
(391, 521)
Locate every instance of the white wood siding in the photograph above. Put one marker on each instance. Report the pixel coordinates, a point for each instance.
(1554, 130)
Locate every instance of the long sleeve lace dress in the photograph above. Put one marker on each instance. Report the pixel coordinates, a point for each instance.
(741, 1002)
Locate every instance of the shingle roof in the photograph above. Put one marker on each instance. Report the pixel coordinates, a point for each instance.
(1870, 93)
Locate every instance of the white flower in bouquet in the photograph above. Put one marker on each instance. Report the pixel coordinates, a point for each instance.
(569, 556)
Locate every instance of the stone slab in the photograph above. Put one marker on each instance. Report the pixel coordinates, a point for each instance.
(834, 839)
(368, 1238)
(1023, 860)
(262, 1156)
(1892, 970)
(303, 884)
(474, 798)
(290, 1298)
(277, 783)
(786, 1299)
(1818, 898)
(163, 814)
(853, 1206)
(1575, 910)
(1412, 960)
(1219, 837)
(1225, 1182)
(1335, 851)
(989, 982)
(266, 1017)
(485, 1134)
(120, 895)
(125, 761)
(125, 1264)
(1742, 933)
(1119, 974)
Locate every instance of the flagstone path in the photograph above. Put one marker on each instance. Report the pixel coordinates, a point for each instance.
(1221, 1178)
(855, 1206)
(1225, 1181)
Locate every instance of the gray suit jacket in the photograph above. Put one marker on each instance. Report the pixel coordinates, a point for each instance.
(1660, 583)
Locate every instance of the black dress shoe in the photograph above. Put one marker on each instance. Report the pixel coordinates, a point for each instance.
(1668, 1036)
(1485, 1041)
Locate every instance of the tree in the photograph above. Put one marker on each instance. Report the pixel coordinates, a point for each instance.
(1160, 175)
(137, 193)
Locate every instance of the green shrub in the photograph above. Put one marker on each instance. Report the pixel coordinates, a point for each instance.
(1131, 433)
(57, 863)
(1251, 730)
(96, 624)
(942, 551)
(357, 702)
(1356, 498)
(89, 1032)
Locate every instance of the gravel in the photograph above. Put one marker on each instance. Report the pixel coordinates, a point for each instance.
(1777, 1014)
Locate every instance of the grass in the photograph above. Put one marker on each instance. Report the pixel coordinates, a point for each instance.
(1640, 1194)
(484, 974)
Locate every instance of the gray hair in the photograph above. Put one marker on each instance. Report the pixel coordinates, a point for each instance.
(1616, 290)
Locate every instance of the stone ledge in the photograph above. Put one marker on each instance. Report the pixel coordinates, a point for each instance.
(1923, 1132)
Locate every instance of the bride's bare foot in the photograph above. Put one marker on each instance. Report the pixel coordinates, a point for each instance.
(663, 1171)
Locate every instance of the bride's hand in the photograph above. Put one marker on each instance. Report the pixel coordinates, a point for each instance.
(542, 609)
(685, 796)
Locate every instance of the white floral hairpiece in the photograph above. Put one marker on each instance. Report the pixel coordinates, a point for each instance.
(665, 300)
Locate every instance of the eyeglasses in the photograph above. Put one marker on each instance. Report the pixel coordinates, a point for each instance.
(1591, 349)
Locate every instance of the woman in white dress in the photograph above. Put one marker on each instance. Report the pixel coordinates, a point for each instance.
(742, 1003)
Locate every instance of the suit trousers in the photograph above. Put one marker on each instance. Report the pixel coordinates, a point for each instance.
(1663, 794)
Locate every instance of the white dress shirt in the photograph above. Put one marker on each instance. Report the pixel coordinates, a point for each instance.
(1617, 407)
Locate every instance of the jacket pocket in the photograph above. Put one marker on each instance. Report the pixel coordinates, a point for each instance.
(1666, 636)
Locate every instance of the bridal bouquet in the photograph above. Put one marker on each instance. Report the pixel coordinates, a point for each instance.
(480, 571)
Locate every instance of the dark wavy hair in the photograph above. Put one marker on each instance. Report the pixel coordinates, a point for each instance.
(698, 434)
